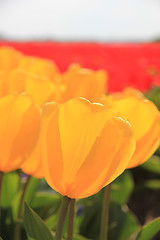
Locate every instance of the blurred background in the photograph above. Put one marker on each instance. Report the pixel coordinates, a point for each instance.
(85, 20)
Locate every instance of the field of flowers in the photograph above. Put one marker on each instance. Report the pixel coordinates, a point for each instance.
(79, 142)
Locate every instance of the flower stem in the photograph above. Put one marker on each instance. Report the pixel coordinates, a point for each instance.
(71, 219)
(17, 232)
(1, 180)
(104, 219)
(62, 216)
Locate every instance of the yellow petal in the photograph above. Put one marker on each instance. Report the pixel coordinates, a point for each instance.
(19, 127)
(42, 91)
(33, 164)
(144, 118)
(51, 147)
(140, 112)
(15, 82)
(84, 83)
(39, 67)
(147, 145)
(72, 138)
(9, 58)
(107, 159)
(80, 122)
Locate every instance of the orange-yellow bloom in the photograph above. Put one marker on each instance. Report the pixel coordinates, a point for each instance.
(9, 58)
(41, 79)
(83, 146)
(33, 164)
(81, 82)
(145, 120)
(19, 129)
(38, 77)
(41, 89)
(40, 67)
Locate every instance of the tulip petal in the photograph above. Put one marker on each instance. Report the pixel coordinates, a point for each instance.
(18, 114)
(106, 160)
(51, 147)
(33, 164)
(80, 122)
(140, 112)
(9, 58)
(41, 90)
(147, 145)
(85, 83)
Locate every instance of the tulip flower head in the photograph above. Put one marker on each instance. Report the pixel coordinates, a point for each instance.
(9, 59)
(81, 82)
(33, 164)
(145, 120)
(37, 77)
(19, 129)
(84, 147)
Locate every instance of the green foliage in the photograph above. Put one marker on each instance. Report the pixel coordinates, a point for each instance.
(10, 187)
(31, 189)
(122, 188)
(78, 237)
(122, 222)
(35, 226)
(154, 96)
(152, 184)
(29, 194)
(152, 165)
(149, 230)
(43, 199)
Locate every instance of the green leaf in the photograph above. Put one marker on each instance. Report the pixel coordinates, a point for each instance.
(149, 230)
(35, 226)
(154, 96)
(10, 187)
(1, 238)
(29, 238)
(31, 189)
(89, 217)
(122, 222)
(122, 188)
(153, 184)
(51, 221)
(79, 237)
(43, 199)
(152, 165)
(29, 195)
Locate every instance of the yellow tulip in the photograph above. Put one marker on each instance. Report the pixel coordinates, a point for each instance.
(145, 120)
(39, 88)
(19, 129)
(84, 147)
(35, 66)
(38, 77)
(80, 82)
(9, 58)
(33, 164)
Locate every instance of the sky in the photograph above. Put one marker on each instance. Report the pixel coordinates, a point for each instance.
(80, 20)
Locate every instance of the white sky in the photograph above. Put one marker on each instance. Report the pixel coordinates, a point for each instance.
(97, 20)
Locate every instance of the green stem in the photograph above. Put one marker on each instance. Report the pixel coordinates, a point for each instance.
(104, 219)
(62, 216)
(1, 180)
(71, 219)
(17, 232)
